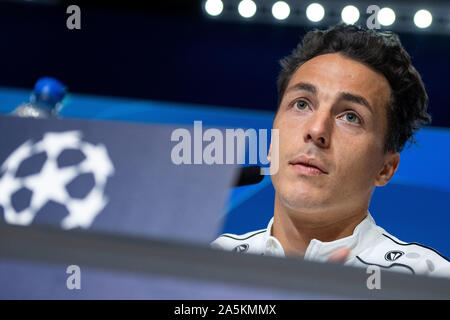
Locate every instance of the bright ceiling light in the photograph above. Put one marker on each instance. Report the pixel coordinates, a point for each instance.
(281, 10)
(423, 19)
(315, 12)
(386, 16)
(214, 7)
(247, 8)
(350, 14)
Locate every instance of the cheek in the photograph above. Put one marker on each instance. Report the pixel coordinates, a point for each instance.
(288, 146)
(358, 162)
(289, 135)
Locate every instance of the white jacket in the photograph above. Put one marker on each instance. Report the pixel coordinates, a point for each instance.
(369, 244)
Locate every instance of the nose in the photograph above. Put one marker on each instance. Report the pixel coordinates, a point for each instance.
(318, 129)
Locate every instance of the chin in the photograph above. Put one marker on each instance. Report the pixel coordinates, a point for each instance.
(306, 200)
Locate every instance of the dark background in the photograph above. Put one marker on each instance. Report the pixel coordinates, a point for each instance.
(169, 50)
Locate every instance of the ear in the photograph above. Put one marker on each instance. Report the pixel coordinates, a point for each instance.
(390, 166)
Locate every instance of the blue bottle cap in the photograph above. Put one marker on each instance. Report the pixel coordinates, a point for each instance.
(50, 89)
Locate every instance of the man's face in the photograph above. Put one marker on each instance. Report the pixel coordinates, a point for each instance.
(333, 112)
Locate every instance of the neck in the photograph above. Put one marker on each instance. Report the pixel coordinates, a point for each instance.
(295, 229)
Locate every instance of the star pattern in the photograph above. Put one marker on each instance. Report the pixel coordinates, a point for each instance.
(97, 161)
(8, 185)
(55, 142)
(49, 184)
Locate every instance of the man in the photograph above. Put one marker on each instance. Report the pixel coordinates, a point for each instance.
(349, 100)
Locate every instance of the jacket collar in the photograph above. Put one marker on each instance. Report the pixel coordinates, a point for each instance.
(321, 251)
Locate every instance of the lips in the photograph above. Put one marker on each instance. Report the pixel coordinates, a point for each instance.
(309, 164)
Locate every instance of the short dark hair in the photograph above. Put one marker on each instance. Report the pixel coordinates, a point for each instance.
(383, 52)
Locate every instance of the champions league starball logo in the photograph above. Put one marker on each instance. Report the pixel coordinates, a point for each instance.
(51, 181)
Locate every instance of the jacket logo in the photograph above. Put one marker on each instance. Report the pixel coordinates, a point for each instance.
(393, 255)
(241, 248)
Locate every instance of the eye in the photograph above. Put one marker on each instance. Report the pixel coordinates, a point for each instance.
(301, 105)
(352, 117)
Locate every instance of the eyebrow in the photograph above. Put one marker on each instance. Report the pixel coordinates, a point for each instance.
(345, 96)
(302, 86)
(350, 97)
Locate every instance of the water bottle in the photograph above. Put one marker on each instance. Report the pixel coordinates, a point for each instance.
(46, 100)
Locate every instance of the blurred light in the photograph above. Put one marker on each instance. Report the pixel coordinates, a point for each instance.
(214, 7)
(247, 8)
(315, 12)
(386, 16)
(350, 14)
(281, 10)
(423, 19)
